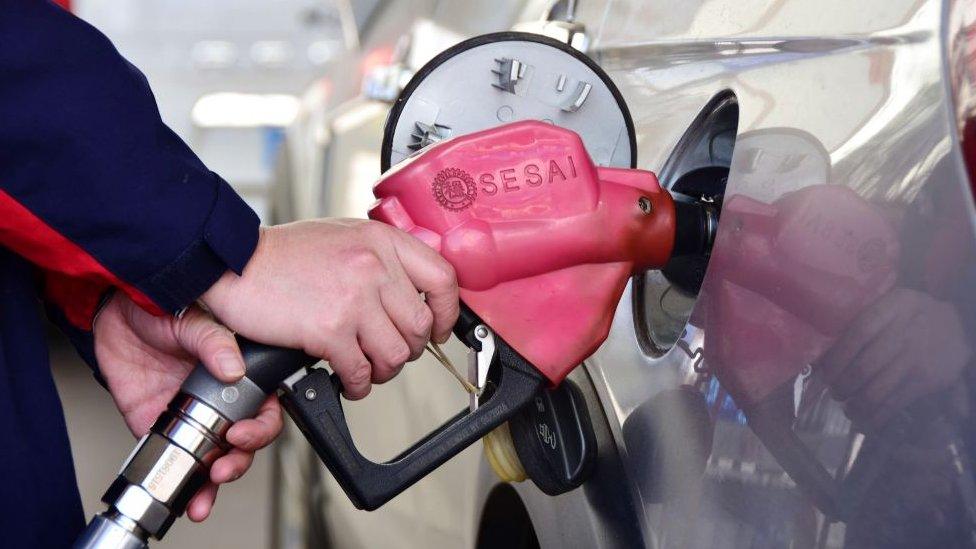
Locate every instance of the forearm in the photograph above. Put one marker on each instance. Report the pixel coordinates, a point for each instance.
(95, 190)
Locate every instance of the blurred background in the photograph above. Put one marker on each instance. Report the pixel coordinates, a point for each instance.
(227, 74)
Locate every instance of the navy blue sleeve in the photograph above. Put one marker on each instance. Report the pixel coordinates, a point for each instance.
(95, 189)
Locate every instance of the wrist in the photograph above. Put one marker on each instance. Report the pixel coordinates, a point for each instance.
(228, 285)
(216, 294)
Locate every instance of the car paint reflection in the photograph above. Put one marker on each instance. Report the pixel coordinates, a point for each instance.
(868, 115)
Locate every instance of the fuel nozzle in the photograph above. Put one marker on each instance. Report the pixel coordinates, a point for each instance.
(696, 222)
(170, 464)
(552, 442)
(520, 210)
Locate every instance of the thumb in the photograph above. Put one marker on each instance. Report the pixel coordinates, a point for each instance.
(203, 337)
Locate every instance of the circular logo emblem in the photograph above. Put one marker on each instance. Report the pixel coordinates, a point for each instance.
(454, 189)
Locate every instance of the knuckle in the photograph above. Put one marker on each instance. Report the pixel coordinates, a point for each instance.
(399, 354)
(214, 333)
(386, 375)
(423, 321)
(363, 259)
(445, 276)
(359, 374)
(417, 348)
(333, 324)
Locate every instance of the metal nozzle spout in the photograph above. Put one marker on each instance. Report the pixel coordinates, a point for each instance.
(696, 222)
(695, 225)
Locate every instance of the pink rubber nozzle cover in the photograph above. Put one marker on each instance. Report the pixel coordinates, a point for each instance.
(542, 241)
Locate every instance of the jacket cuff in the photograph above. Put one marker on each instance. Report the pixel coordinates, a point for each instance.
(82, 340)
(228, 240)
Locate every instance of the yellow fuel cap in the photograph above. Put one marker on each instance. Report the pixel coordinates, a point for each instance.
(501, 454)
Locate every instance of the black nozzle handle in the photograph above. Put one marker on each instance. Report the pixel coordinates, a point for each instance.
(266, 366)
(313, 403)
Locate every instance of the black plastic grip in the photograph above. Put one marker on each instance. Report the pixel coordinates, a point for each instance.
(267, 366)
(314, 404)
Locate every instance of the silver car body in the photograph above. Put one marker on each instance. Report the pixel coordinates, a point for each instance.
(826, 92)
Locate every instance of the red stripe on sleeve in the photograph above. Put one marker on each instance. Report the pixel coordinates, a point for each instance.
(76, 297)
(75, 280)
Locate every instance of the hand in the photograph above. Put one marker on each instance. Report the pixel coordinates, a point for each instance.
(144, 359)
(346, 291)
(905, 346)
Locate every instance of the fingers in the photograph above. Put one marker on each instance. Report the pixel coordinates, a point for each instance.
(202, 503)
(215, 346)
(384, 346)
(247, 436)
(256, 433)
(408, 312)
(350, 364)
(433, 275)
(231, 466)
(338, 342)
